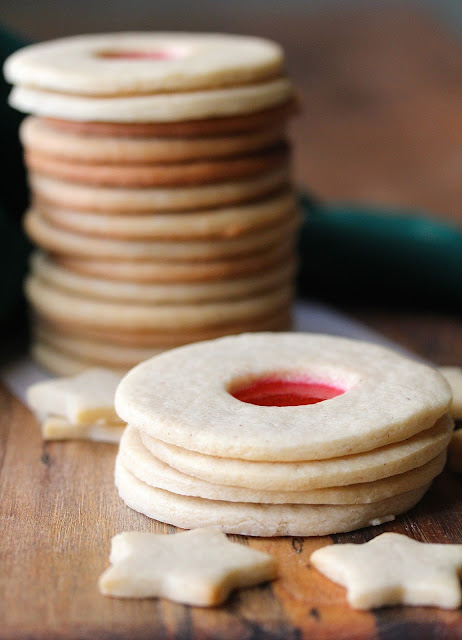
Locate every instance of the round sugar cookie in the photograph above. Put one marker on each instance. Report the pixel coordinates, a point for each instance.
(38, 135)
(164, 271)
(196, 172)
(56, 240)
(225, 222)
(141, 463)
(246, 123)
(306, 475)
(112, 64)
(52, 303)
(152, 200)
(256, 519)
(56, 276)
(383, 397)
(106, 355)
(161, 107)
(63, 364)
(280, 321)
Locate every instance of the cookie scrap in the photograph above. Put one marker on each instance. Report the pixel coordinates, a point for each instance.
(454, 377)
(82, 399)
(394, 569)
(56, 428)
(78, 407)
(199, 567)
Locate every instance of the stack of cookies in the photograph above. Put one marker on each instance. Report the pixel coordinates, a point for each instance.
(161, 198)
(280, 434)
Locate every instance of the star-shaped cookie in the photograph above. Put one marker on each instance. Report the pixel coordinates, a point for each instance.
(56, 428)
(394, 569)
(199, 567)
(82, 399)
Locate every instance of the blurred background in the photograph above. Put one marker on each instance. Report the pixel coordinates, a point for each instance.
(381, 89)
(365, 63)
(50, 18)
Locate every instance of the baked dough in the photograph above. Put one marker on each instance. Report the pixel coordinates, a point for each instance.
(387, 397)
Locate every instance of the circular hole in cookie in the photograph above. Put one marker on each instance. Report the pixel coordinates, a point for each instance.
(274, 391)
(161, 53)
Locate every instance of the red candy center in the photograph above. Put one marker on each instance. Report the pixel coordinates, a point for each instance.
(277, 392)
(158, 54)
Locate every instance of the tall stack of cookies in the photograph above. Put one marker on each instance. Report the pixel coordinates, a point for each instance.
(161, 198)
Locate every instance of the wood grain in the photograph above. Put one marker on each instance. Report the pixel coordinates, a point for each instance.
(383, 104)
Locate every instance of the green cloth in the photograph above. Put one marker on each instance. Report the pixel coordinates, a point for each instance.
(14, 248)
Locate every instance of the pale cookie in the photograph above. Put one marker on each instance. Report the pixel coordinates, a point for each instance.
(83, 399)
(225, 222)
(150, 470)
(61, 364)
(247, 123)
(394, 569)
(256, 519)
(71, 243)
(281, 321)
(57, 305)
(454, 376)
(383, 462)
(382, 397)
(162, 107)
(56, 428)
(112, 356)
(145, 62)
(38, 134)
(197, 172)
(161, 199)
(173, 293)
(159, 271)
(199, 567)
(455, 452)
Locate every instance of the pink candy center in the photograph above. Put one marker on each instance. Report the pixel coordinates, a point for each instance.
(157, 54)
(271, 391)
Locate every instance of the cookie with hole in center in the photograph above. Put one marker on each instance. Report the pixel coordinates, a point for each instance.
(113, 64)
(370, 397)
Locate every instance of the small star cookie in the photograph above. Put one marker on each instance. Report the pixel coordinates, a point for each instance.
(56, 428)
(78, 407)
(82, 399)
(199, 567)
(394, 569)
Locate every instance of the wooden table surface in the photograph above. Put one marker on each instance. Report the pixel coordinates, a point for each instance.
(382, 123)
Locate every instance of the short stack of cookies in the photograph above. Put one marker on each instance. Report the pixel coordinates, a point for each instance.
(161, 196)
(280, 434)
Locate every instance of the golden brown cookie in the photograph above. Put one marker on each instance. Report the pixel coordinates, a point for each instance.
(59, 306)
(223, 222)
(71, 195)
(38, 135)
(178, 293)
(161, 175)
(279, 321)
(167, 271)
(192, 128)
(69, 243)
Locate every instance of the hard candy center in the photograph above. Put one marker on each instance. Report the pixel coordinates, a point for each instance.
(271, 391)
(162, 53)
